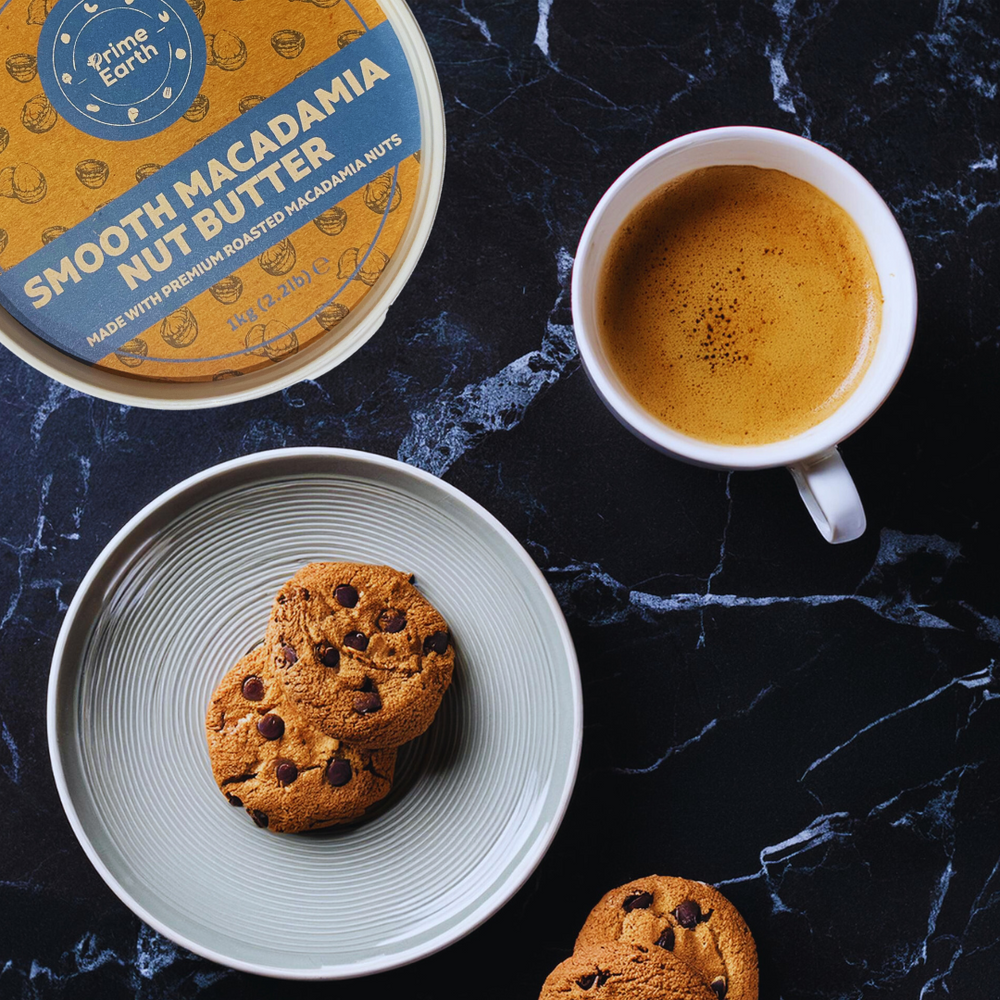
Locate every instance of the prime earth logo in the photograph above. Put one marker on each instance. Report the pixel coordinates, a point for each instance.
(122, 69)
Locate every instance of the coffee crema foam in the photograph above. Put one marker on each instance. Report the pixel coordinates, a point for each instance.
(739, 305)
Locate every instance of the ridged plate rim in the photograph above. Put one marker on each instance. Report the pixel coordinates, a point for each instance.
(195, 490)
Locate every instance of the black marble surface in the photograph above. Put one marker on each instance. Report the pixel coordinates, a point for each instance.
(812, 728)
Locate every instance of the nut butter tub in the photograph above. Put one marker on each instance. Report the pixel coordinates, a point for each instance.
(204, 201)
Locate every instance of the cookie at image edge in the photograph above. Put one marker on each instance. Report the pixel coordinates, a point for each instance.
(360, 652)
(288, 776)
(619, 971)
(688, 919)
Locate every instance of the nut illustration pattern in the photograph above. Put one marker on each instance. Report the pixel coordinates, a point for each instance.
(226, 50)
(145, 170)
(4, 138)
(38, 10)
(228, 290)
(346, 37)
(198, 110)
(133, 352)
(180, 328)
(52, 233)
(38, 115)
(23, 182)
(279, 259)
(381, 195)
(329, 317)
(288, 43)
(92, 173)
(365, 265)
(250, 101)
(332, 222)
(271, 340)
(22, 67)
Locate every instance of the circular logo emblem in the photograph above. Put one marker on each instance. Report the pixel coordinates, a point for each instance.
(121, 69)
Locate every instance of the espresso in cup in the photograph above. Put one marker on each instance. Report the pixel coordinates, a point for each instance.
(739, 305)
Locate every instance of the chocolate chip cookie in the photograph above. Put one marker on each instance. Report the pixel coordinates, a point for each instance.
(620, 971)
(688, 919)
(360, 653)
(287, 775)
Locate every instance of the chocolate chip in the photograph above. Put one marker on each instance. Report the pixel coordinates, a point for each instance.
(329, 656)
(637, 901)
(281, 598)
(603, 977)
(234, 800)
(286, 772)
(666, 939)
(260, 818)
(689, 913)
(289, 654)
(346, 595)
(391, 621)
(436, 643)
(356, 640)
(253, 688)
(719, 986)
(305, 594)
(271, 727)
(366, 702)
(339, 772)
(586, 982)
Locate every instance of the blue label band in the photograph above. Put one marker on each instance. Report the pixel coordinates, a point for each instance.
(237, 194)
(121, 69)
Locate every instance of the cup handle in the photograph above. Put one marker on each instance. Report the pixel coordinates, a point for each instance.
(830, 496)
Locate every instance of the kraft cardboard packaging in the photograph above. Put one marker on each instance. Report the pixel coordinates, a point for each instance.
(196, 191)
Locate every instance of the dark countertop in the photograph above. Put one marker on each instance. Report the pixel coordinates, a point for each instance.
(812, 728)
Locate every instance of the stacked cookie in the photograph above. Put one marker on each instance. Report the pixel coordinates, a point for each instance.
(303, 730)
(660, 937)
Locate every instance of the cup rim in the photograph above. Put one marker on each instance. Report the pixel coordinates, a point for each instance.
(842, 422)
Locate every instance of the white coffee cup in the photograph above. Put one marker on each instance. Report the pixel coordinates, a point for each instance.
(812, 457)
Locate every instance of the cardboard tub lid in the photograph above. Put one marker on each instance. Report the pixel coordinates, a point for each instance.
(204, 201)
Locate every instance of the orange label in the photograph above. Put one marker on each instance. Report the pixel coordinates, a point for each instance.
(249, 226)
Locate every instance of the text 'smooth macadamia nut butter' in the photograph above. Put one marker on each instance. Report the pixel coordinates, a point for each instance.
(203, 201)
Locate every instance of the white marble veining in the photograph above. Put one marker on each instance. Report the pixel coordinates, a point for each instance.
(455, 421)
(878, 804)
